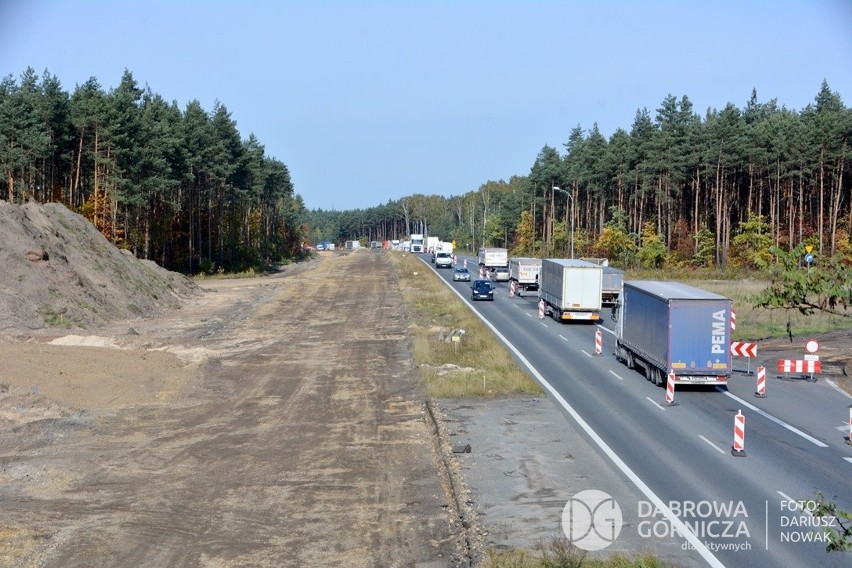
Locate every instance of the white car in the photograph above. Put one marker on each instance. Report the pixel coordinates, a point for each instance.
(500, 274)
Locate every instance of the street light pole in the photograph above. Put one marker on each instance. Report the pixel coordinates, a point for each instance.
(571, 199)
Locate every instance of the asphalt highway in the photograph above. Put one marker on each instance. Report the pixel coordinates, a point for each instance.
(731, 510)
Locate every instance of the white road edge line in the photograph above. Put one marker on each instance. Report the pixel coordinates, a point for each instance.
(675, 521)
(655, 403)
(778, 421)
(614, 374)
(712, 444)
(797, 504)
(836, 387)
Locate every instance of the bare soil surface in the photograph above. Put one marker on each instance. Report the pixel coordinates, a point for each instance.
(267, 422)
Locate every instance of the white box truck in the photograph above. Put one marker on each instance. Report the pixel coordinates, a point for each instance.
(525, 273)
(491, 258)
(571, 289)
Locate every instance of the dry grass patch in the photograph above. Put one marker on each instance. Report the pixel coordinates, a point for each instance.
(452, 364)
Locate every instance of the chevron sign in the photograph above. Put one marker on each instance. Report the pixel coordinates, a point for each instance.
(743, 349)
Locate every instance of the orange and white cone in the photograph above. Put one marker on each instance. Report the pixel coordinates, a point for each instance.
(670, 389)
(738, 449)
(761, 383)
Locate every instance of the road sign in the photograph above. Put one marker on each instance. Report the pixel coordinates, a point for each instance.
(809, 248)
(809, 258)
(743, 349)
(812, 346)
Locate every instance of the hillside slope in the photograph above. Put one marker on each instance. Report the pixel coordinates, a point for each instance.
(57, 269)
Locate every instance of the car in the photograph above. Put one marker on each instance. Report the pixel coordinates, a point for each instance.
(461, 274)
(482, 289)
(501, 274)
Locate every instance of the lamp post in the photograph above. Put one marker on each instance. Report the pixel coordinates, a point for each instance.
(571, 199)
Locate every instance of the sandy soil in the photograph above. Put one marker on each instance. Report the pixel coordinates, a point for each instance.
(268, 422)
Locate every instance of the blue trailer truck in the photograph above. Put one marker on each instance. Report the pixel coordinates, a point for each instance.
(670, 326)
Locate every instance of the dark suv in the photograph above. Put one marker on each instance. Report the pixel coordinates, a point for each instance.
(482, 289)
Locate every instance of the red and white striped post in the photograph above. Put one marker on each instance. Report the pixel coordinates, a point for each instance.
(849, 439)
(598, 342)
(761, 382)
(541, 309)
(738, 449)
(733, 320)
(464, 263)
(670, 388)
(512, 289)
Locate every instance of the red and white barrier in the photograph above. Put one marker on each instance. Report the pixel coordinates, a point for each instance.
(670, 388)
(464, 263)
(798, 366)
(849, 439)
(761, 383)
(598, 342)
(738, 449)
(733, 319)
(541, 309)
(512, 289)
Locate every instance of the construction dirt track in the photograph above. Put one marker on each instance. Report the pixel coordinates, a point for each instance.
(268, 422)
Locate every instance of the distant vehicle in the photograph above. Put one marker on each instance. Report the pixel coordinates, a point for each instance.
(443, 260)
(417, 243)
(482, 289)
(571, 289)
(493, 257)
(613, 279)
(461, 274)
(524, 272)
(432, 244)
(444, 246)
(353, 245)
(501, 274)
(673, 327)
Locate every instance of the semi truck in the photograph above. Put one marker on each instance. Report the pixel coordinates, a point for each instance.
(613, 279)
(571, 289)
(524, 272)
(491, 258)
(667, 327)
(416, 243)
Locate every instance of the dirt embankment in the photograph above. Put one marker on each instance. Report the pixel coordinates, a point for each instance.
(59, 271)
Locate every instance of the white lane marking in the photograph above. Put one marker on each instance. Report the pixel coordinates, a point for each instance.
(675, 521)
(848, 459)
(778, 421)
(613, 373)
(606, 330)
(586, 353)
(563, 337)
(543, 324)
(836, 387)
(529, 315)
(711, 443)
(796, 504)
(843, 427)
(655, 403)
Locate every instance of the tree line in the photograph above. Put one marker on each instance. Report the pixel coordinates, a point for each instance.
(678, 188)
(178, 186)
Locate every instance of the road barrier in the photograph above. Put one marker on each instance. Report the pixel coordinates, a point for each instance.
(598, 342)
(512, 289)
(670, 388)
(761, 383)
(541, 309)
(738, 449)
(743, 349)
(733, 320)
(798, 366)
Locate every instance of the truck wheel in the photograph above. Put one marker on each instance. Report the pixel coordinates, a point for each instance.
(660, 377)
(556, 314)
(631, 364)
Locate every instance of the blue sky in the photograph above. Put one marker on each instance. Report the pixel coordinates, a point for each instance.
(367, 101)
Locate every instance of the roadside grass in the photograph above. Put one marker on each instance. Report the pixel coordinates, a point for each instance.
(561, 553)
(476, 364)
(753, 324)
